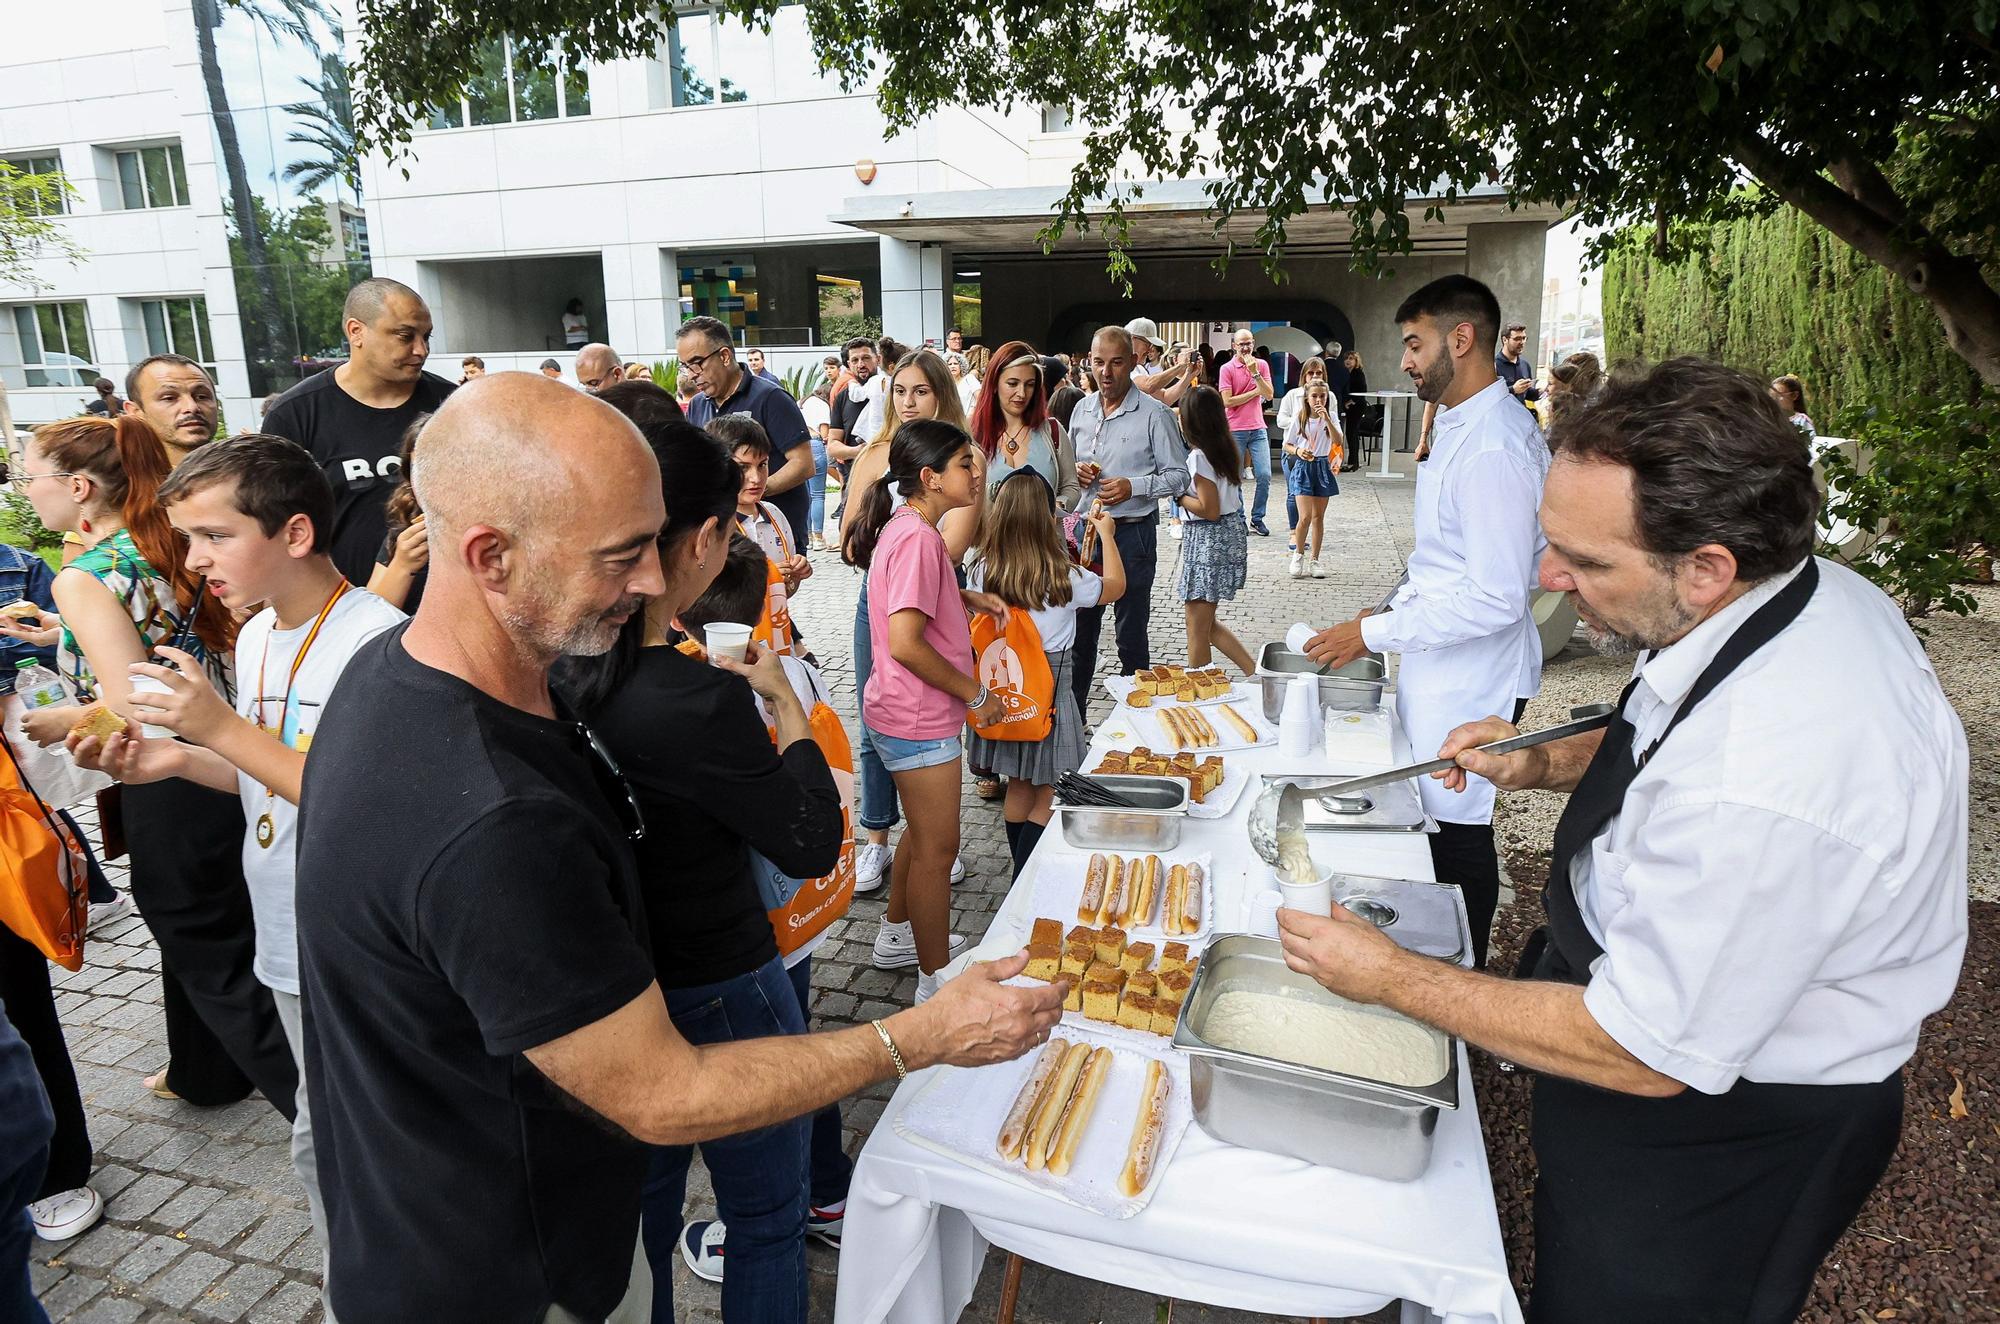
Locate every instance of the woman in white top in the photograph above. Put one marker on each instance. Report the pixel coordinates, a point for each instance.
(1790, 392)
(1215, 550)
(1313, 369)
(1313, 450)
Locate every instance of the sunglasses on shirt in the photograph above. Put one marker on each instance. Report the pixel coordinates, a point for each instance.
(612, 785)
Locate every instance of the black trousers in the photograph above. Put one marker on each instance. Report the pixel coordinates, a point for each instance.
(1463, 854)
(1699, 1207)
(223, 1033)
(1139, 549)
(31, 1004)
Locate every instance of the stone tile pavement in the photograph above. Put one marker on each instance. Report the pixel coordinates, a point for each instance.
(206, 1221)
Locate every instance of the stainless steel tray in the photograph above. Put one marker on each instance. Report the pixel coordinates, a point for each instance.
(1154, 826)
(1426, 918)
(1323, 1117)
(1397, 807)
(1356, 687)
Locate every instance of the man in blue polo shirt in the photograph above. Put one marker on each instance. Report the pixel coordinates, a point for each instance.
(723, 386)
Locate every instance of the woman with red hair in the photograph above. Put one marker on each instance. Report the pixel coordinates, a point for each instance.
(128, 593)
(1011, 424)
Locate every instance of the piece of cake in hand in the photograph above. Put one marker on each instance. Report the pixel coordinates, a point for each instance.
(101, 722)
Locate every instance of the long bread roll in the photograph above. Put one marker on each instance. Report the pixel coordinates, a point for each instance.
(1147, 1130)
(1115, 891)
(1014, 1131)
(1077, 1117)
(1049, 1112)
(1237, 720)
(1191, 906)
(1092, 899)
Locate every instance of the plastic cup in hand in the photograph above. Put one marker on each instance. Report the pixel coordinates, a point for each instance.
(727, 639)
(1299, 636)
(1315, 898)
(151, 685)
(1263, 917)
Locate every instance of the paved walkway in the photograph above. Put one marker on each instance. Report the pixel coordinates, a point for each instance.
(206, 1221)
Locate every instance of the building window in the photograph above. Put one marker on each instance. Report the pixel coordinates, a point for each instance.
(710, 58)
(724, 288)
(51, 199)
(179, 326)
(515, 84)
(55, 344)
(152, 177)
(1055, 119)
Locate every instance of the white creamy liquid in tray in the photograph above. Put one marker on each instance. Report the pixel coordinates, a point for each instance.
(1333, 1038)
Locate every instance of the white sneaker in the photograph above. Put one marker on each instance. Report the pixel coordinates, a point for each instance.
(66, 1213)
(702, 1248)
(927, 984)
(1298, 565)
(1317, 573)
(957, 869)
(871, 866)
(896, 946)
(109, 912)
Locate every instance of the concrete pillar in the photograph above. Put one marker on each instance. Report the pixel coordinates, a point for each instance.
(1508, 257)
(916, 291)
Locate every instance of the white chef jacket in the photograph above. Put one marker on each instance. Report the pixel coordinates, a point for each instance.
(1461, 621)
(1782, 897)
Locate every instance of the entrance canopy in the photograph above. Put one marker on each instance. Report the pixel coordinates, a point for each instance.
(1169, 215)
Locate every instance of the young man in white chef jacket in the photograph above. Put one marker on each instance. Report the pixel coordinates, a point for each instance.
(1461, 621)
(1759, 886)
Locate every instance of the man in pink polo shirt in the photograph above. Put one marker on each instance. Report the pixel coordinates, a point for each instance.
(1245, 383)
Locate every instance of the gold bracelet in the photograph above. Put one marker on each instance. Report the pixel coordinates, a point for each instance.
(895, 1054)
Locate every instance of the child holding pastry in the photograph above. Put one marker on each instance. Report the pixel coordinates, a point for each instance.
(1022, 562)
(1216, 546)
(922, 690)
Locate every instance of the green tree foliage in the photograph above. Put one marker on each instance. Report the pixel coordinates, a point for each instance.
(1627, 110)
(304, 322)
(29, 206)
(325, 128)
(1775, 294)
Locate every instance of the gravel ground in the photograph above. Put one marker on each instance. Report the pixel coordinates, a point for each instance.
(1924, 1245)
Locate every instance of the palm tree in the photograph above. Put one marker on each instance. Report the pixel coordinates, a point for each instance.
(283, 19)
(325, 124)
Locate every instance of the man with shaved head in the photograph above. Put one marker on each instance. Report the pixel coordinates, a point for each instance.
(598, 366)
(352, 419)
(489, 1054)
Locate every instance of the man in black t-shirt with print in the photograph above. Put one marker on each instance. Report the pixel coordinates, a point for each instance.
(488, 1054)
(352, 418)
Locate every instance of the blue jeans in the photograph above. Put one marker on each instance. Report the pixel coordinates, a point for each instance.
(878, 788)
(1139, 548)
(759, 1176)
(832, 1170)
(816, 492)
(26, 1125)
(1257, 443)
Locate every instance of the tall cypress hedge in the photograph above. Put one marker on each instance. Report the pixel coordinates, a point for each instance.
(1777, 294)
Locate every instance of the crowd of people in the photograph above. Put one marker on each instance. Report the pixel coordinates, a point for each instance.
(456, 798)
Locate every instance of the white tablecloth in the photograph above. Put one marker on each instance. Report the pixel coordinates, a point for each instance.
(1228, 1226)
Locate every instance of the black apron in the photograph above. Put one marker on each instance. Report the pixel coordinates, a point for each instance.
(1697, 1207)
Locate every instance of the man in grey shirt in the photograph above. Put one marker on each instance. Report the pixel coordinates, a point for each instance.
(1129, 455)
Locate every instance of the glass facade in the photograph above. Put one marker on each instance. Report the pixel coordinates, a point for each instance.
(786, 294)
(178, 326)
(516, 84)
(710, 58)
(281, 115)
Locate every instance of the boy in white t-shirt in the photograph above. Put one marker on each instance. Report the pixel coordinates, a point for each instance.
(256, 511)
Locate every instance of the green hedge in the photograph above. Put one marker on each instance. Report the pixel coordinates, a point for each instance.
(1778, 294)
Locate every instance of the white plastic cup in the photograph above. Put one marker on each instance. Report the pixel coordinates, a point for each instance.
(1298, 720)
(151, 685)
(727, 639)
(1315, 898)
(1263, 917)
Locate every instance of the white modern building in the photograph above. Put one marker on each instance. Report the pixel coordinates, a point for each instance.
(723, 175)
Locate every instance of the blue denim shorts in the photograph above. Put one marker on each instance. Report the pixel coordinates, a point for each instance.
(900, 755)
(1311, 478)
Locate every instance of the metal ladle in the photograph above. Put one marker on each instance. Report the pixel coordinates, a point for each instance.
(1280, 807)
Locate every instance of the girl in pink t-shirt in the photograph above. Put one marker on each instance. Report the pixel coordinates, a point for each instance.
(922, 690)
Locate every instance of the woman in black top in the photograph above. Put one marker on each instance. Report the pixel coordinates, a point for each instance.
(711, 786)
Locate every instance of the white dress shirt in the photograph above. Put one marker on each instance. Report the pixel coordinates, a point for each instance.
(1782, 897)
(1461, 622)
